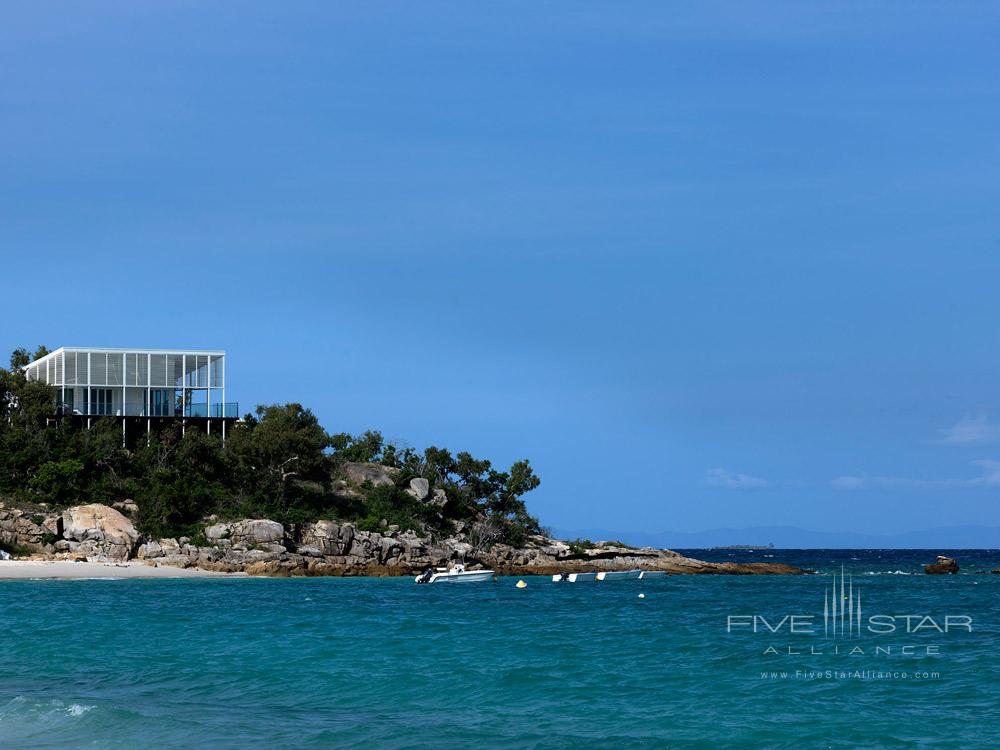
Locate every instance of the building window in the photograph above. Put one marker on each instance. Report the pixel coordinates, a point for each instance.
(100, 401)
(162, 403)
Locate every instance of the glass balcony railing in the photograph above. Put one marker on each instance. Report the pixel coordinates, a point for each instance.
(227, 410)
(230, 409)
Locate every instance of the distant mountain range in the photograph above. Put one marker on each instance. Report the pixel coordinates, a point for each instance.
(792, 537)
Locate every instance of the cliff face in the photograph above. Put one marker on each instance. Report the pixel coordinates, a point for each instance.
(98, 533)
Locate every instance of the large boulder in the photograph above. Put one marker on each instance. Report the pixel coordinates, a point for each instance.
(439, 499)
(329, 537)
(377, 474)
(419, 488)
(367, 546)
(103, 534)
(250, 532)
(256, 532)
(218, 531)
(18, 528)
(941, 566)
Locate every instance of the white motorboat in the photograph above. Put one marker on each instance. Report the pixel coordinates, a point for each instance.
(647, 574)
(619, 575)
(457, 574)
(573, 577)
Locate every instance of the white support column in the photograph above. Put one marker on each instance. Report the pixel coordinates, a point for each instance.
(125, 393)
(208, 395)
(87, 409)
(222, 373)
(149, 398)
(149, 387)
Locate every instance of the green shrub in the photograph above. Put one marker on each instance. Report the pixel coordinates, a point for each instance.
(56, 481)
(580, 546)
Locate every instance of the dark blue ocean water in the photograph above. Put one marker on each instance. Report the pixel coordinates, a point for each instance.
(382, 663)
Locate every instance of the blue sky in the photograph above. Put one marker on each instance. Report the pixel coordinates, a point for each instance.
(713, 264)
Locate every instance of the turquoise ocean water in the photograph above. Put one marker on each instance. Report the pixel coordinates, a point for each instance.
(343, 663)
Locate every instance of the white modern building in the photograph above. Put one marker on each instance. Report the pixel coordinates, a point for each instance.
(145, 384)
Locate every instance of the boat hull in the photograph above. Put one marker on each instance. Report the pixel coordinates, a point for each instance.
(647, 574)
(574, 578)
(470, 576)
(618, 575)
(476, 576)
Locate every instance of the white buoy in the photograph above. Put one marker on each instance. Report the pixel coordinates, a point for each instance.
(642, 596)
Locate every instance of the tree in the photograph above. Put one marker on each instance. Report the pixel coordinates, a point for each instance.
(439, 464)
(364, 448)
(19, 358)
(279, 457)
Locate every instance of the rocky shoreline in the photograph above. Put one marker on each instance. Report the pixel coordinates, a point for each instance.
(262, 547)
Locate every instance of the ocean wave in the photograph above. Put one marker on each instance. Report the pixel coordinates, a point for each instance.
(890, 573)
(20, 705)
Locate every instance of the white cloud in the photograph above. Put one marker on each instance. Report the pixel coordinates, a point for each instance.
(971, 430)
(731, 480)
(989, 476)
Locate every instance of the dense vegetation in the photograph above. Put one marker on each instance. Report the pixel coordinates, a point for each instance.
(277, 463)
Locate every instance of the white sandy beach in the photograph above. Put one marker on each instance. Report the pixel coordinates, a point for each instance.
(64, 569)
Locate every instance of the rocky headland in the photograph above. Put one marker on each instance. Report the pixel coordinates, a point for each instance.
(100, 533)
(942, 565)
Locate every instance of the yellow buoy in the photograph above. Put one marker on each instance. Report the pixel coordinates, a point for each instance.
(521, 585)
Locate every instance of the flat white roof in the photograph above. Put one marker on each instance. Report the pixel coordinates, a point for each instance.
(106, 350)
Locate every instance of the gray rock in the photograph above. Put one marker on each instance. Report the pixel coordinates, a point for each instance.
(388, 548)
(217, 531)
(327, 536)
(149, 550)
(260, 555)
(359, 473)
(209, 554)
(439, 499)
(367, 545)
(174, 561)
(53, 525)
(126, 506)
(419, 488)
(256, 531)
(17, 527)
(272, 547)
(346, 538)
